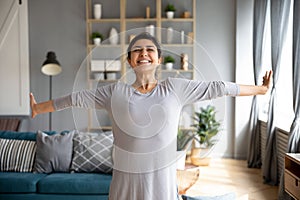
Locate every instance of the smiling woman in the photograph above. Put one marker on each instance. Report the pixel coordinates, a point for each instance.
(144, 56)
(145, 118)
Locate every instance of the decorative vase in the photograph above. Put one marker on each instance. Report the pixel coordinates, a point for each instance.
(170, 14)
(113, 36)
(150, 29)
(97, 41)
(169, 66)
(182, 37)
(169, 35)
(97, 11)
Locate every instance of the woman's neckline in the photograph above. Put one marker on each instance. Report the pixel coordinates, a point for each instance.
(149, 91)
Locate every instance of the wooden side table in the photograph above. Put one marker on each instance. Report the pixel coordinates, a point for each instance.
(292, 174)
(187, 178)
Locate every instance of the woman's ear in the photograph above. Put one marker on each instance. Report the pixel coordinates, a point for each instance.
(160, 60)
(128, 60)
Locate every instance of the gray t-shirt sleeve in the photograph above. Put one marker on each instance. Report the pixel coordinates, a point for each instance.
(96, 99)
(191, 91)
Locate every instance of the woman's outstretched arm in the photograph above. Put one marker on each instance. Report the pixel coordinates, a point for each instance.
(38, 108)
(248, 90)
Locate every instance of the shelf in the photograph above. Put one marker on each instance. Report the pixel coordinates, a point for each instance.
(177, 20)
(140, 19)
(103, 80)
(129, 22)
(107, 128)
(106, 71)
(103, 20)
(92, 46)
(176, 45)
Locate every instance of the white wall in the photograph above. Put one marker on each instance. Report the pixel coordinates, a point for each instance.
(244, 74)
(215, 34)
(57, 26)
(216, 38)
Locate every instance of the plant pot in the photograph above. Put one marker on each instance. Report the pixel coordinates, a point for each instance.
(199, 157)
(97, 41)
(170, 14)
(169, 66)
(200, 161)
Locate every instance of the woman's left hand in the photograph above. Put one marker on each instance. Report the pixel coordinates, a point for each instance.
(267, 79)
(247, 90)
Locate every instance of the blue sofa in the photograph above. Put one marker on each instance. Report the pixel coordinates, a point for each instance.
(58, 186)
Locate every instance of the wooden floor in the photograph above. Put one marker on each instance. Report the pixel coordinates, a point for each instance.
(228, 175)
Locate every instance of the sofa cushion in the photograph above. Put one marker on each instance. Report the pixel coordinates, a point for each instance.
(53, 153)
(92, 152)
(18, 135)
(75, 183)
(21, 135)
(15, 182)
(17, 155)
(37, 196)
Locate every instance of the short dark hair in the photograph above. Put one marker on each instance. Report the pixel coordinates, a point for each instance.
(144, 35)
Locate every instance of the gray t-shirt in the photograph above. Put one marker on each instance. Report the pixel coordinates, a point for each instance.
(145, 131)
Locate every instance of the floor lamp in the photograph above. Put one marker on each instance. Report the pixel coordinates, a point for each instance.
(51, 67)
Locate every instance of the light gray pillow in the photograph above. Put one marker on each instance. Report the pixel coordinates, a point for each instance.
(53, 152)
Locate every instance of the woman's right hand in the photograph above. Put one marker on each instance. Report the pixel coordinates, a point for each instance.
(33, 106)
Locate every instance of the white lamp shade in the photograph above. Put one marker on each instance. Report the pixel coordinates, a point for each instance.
(51, 69)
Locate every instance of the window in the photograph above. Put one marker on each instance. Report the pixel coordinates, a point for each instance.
(284, 105)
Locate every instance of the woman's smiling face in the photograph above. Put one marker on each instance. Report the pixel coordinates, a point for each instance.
(144, 53)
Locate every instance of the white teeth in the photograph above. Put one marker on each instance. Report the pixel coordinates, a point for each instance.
(144, 61)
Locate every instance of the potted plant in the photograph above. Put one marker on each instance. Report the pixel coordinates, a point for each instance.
(97, 38)
(169, 61)
(170, 10)
(206, 128)
(184, 140)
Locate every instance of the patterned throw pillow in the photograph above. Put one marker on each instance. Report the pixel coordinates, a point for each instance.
(17, 155)
(92, 152)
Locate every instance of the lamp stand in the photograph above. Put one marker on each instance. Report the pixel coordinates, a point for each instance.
(50, 97)
(51, 67)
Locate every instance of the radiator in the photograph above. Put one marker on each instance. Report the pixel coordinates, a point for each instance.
(281, 144)
(282, 138)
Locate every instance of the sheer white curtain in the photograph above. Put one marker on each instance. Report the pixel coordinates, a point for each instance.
(279, 21)
(294, 136)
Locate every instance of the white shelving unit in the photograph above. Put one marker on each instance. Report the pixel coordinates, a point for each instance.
(129, 18)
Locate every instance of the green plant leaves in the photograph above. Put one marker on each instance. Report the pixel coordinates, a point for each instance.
(207, 126)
